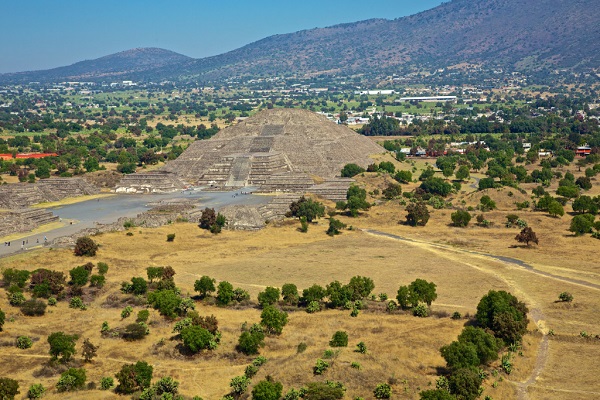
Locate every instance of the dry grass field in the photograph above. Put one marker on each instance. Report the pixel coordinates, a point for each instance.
(402, 349)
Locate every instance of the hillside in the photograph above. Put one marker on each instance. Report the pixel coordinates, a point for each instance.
(113, 66)
(527, 36)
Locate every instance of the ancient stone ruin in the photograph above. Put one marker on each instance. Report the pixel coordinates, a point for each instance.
(277, 150)
(22, 195)
(150, 182)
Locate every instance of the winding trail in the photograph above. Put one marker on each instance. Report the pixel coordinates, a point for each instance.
(535, 313)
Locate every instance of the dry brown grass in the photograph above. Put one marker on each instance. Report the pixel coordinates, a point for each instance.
(402, 348)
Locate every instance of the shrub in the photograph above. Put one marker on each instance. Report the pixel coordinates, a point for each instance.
(307, 208)
(269, 297)
(62, 345)
(79, 276)
(134, 377)
(24, 342)
(170, 237)
(267, 390)
(527, 235)
(2, 319)
(465, 383)
(436, 186)
(16, 299)
(9, 388)
(165, 301)
(139, 286)
(301, 347)
(335, 226)
(33, 307)
(382, 391)
(392, 191)
(582, 224)
(97, 281)
(273, 320)
(239, 384)
(142, 316)
(251, 370)
(204, 286)
(85, 246)
(421, 310)
(339, 339)
(77, 303)
(196, 338)
(126, 312)
(417, 214)
(436, 394)
(320, 367)
(486, 183)
(403, 176)
(504, 314)
(361, 348)
(102, 268)
(251, 341)
(225, 293)
(456, 315)
(106, 383)
(135, 331)
(486, 203)
(351, 170)
(290, 295)
(71, 380)
(460, 218)
(36, 391)
(566, 297)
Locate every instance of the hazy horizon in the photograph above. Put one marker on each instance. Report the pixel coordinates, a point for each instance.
(43, 35)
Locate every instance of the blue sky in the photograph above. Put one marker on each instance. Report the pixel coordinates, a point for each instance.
(40, 34)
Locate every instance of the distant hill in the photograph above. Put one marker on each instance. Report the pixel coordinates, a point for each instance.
(112, 67)
(513, 34)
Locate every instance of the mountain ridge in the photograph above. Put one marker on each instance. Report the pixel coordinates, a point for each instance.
(524, 36)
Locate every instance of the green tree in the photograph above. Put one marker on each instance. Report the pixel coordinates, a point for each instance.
(225, 293)
(351, 170)
(139, 286)
(487, 345)
(9, 388)
(307, 208)
(289, 292)
(323, 391)
(267, 390)
(273, 320)
(382, 391)
(403, 176)
(555, 209)
(582, 224)
(134, 377)
(239, 384)
(360, 287)
(460, 354)
(71, 380)
(465, 383)
(460, 218)
(463, 174)
(504, 314)
(62, 345)
(269, 297)
(417, 214)
(205, 285)
(339, 339)
(165, 301)
(251, 341)
(436, 394)
(36, 391)
(436, 186)
(196, 338)
(387, 166)
(424, 291)
(356, 200)
(335, 226)
(314, 293)
(585, 204)
(2, 319)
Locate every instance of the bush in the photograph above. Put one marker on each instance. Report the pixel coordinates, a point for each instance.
(382, 391)
(102, 268)
(269, 297)
(225, 293)
(339, 339)
(421, 310)
(97, 281)
(436, 186)
(361, 348)
(126, 312)
(351, 170)
(307, 208)
(16, 299)
(267, 390)
(465, 383)
(239, 384)
(71, 380)
(62, 345)
(24, 342)
(77, 303)
(9, 388)
(418, 215)
(566, 297)
(85, 246)
(436, 394)
(135, 331)
(33, 307)
(486, 183)
(527, 235)
(251, 341)
(460, 218)
(2, 319)
(289, 293)
(403, 176)
(142, 316)
(196, 338)
(504, 314)
(273, 320)
(582, 224)
(36, 391)
(165, 301)
(170, 237)
(106, 383)
(335, 226)
(134, 377)
(486, 203)
(79, 276)
(204, 286)
(320, 367)
(392, 191)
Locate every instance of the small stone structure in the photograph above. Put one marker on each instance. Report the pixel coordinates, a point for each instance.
(24, 220)
(150, 182)
(22, 195)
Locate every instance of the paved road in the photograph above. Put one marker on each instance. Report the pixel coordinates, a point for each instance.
(88, 213)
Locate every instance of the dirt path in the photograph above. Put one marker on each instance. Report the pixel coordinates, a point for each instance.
(535, 313)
